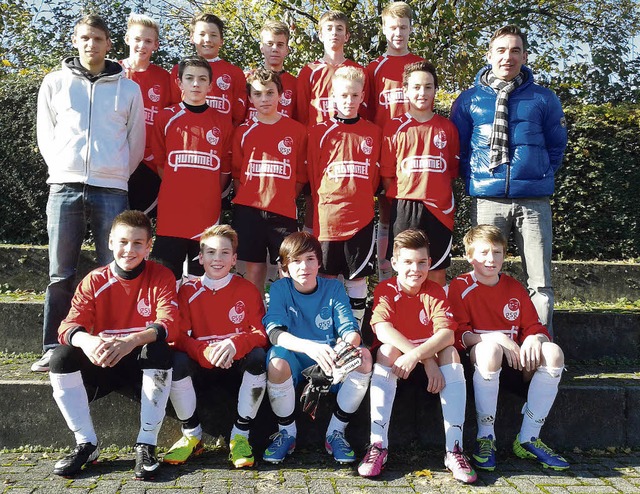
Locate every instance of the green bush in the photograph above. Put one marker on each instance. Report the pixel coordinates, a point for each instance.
(596, 210)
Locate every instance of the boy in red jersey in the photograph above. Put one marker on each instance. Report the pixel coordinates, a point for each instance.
(227, 93)
(343, 174)
(387, 100)
(221, 331)
(274, 46)
(269, 171)
(419, 162)
(499, 328)
(121, 318)
(191, 145)
(155, 86)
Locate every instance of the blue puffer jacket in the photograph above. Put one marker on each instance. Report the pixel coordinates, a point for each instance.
(537, 139)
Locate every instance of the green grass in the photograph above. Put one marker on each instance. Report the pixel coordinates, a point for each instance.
(620, 305)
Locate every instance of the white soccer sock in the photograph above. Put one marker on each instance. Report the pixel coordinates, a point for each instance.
(250, 394)
(350, 395)
(486, 386)
(357, 292)
(183, 399)
(453, 399)
(71, 397)
(156, 387)
(283, 403)
(235, 431)
(382, 240)
(542, 393)
(382, 393)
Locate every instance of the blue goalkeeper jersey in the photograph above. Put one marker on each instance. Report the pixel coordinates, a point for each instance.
(321, 316)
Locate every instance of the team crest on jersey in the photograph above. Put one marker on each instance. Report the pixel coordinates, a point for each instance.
(154, 93)
(367, 145)
(422, 164)
(144, 307)
(348, 169)
(424, 320)
(224, 82)
(237, 313)
(324, 320)
(511, 310)
(440, 139)
(285, 145)
(213, 136)
(389, 97)
(287, 96)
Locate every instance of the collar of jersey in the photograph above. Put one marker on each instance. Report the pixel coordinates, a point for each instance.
(216, 284)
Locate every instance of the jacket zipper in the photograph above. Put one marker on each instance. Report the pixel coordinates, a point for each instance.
(88, 156)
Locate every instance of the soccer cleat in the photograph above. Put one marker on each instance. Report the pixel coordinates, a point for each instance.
(374, 461)
(283, 444)
(183, 449)
(42, 364)
(240, 452)
(146, 462)
(539, 451)
(458, 463)
(337, 445)
(484, 454)
(82, 455)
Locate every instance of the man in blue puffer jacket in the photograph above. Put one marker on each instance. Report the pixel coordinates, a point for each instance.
(512, 139)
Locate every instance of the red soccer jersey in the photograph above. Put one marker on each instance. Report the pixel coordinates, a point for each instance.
(386, 94)
(422, 159)
(194, 150)
(155, 86)
(234, 311)
(343, 173)
(269, 159)
(505, 307)
(287, 102)
(106, 305)
(228, 93)
(417, 317)
(315, 104)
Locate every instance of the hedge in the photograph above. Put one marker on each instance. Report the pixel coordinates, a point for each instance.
(595, 206)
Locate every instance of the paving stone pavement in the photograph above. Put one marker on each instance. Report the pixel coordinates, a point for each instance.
(315, 473)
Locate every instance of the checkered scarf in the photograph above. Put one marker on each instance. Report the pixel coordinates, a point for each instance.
(499, 144)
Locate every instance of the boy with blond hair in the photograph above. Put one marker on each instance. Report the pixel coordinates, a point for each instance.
(155, 85)
(191, 146)
(343, 173)
(227, 94)
(221, 332)
(387, 100)
(418, 165)
(269, 171)
(307, 315)
(413, 325)
(499, 328)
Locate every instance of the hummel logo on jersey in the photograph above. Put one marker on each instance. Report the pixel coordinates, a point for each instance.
(420, 164)
(149, 114)
(268, 168)
(391, 96)
(348, 169)
(193, 159)
(220, 103)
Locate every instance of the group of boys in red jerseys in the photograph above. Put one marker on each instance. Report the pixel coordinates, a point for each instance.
(344, 131)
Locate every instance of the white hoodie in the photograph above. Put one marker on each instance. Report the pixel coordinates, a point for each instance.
(90, 132)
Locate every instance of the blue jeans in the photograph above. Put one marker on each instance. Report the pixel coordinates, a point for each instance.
(69, 208)
(530, 220)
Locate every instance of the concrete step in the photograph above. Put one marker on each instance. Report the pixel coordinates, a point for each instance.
(594, 409)
(582, 335)
(26, 268)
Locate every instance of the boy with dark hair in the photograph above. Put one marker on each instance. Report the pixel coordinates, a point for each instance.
(221, 331)
(414, 325)
(122, 317)
(155, 86)
(227, 92)
(269, 171)
(343, 173)
(387, 100)
(418, 165)
(307, 315)
(499, 328)
(191, 147)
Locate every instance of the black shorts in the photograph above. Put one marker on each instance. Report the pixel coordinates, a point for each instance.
(260, 232)
(253, 362)
(171, 251)
(511, 379)
(352, 258)
(144, 185)
(407, 214)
